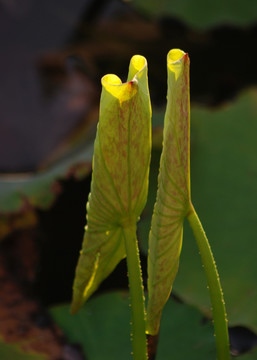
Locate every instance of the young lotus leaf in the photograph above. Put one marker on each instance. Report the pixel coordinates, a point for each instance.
(120, 177)
(173, 195)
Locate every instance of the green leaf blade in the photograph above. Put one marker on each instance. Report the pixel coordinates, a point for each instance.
(96, 262)
(120, 176)
(173, 195)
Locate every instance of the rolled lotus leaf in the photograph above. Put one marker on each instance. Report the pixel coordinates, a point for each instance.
(119, 184)
(173, 195)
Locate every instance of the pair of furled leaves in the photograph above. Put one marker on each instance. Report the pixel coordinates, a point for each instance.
(120, 182)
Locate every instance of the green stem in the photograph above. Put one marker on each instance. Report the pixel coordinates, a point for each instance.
(216, 295)
(139, 343)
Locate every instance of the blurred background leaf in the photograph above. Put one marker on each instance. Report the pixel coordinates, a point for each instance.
(40, 189)
(102, 327)
(251, 356)
(203, 14)
(21, 194)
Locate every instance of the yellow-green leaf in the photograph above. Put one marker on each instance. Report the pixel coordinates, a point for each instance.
(173, 195)
(120, 176)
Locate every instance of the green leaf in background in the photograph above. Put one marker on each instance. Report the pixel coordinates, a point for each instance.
(173, 195)
(224, 173)
(120, 176)
(13, 352)
(105, 334)
(251, 356)
(20, 194)
(38, 189)
(224, 177)
(203, 14)
(101, 327)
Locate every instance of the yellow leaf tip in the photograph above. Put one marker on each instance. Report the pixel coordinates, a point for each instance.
(176, 56)
(111, 79)
(139, 62)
